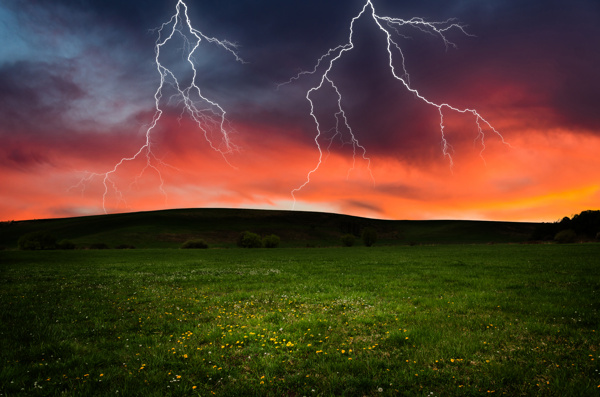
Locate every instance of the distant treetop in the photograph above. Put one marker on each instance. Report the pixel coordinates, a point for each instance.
(585, 224)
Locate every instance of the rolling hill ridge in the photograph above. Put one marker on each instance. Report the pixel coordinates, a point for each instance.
(221, 227)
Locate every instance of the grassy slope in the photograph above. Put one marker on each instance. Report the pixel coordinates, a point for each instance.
(463, 320)
(220, 227)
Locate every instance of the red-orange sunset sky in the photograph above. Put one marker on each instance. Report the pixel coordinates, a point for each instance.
(77, 94)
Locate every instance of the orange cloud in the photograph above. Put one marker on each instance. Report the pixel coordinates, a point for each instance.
(541, 177)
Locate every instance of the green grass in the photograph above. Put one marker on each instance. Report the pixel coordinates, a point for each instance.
(422, 320)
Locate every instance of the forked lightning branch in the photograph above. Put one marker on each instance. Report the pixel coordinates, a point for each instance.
(208, 115)
(392, 29)
(211, 119)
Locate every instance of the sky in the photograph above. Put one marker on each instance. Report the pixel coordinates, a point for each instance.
(79, 79)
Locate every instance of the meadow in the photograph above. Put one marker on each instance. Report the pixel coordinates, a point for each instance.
(463, 320)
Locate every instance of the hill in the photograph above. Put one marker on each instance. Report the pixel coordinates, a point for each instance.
(221, 227)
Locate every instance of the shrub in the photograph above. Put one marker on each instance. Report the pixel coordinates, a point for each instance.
(369, 236)
(249, 240)
(66, 245)
(565, 236)
(125, 247)
(98, 246)
(271, 241)
(37, 241)
(348, 240)
(195, 243)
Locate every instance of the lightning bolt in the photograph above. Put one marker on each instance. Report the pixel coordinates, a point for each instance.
(391, 27)
(206, 113)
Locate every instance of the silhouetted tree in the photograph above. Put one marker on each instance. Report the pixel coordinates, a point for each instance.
(369, 236)
(586, 225)
(271, 241)
(348, 240)
(66, 245)
(249, 240)
(195, 243)
(565, 236)
(37, 241)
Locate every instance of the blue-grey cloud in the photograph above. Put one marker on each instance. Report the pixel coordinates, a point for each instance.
(91, 62)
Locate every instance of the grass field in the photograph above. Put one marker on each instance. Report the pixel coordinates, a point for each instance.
(422, 320)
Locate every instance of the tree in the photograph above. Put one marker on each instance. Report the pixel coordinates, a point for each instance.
(565, 236)
(195, 243)
(271, 241)
(249, 240)
(369, 236)
(66, 245)
(348, 240)
(585, 225)
(37, 241)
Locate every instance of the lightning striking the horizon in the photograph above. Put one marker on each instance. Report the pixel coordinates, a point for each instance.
(206, 113)
(391, 29)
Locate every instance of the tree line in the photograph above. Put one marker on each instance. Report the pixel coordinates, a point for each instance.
(584, 226)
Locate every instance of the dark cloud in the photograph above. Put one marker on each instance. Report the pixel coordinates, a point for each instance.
(547, 48)
(353, 205)
(75, 15)
(23, 159)
(34, 95)
(406, 191)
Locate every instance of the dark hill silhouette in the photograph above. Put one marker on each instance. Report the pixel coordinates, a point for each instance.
(221, 227)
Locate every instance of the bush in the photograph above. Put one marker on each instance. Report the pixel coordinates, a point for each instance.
(369, 236)
(125, 247)
(98, 246)
(565, 236)
(348, 240)
(66, 245)
(271, 241)
(37, 241)
(195, 243)
(249, 240)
